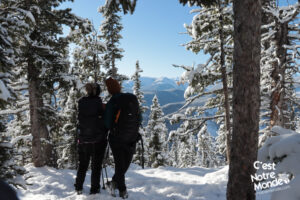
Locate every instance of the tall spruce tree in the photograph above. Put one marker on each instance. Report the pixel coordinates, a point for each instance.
(137, 158)
(279, 64)
(246, 98)
(211, 31)
(110, 32)
(156, 131)
(279, 59)
(137, 87)
(15, 22)
(44, 57)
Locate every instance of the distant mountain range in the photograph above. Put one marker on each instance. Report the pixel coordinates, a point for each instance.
(166, 90)
(170, 96)
(155, 84)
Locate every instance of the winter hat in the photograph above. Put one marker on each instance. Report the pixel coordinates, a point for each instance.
(113, 86)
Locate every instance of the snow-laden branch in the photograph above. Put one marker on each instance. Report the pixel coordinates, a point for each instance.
(10, 112)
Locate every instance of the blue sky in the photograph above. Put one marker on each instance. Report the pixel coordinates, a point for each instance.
(151, 35)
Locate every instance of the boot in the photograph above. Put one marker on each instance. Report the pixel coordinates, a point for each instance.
(94, 191)
(123, 194)
(79, 192)
(78, 189)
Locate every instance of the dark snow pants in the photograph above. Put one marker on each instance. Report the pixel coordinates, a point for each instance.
(123, 154)
(87, 152)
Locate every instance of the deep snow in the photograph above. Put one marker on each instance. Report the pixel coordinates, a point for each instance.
(163, 183)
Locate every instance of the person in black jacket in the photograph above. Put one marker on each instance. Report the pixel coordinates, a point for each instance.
(92, 137)
(122, 117)
(7, 192)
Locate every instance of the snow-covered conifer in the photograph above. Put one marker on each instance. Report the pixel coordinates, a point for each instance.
(279, 64)
(68, 145)
(211, 31)
(206, 148)
(110, 32)
(140, 96)
(183, 147)
(156, 131)
(87, 55)
(45, 60)
(137, 87)
(15, 22)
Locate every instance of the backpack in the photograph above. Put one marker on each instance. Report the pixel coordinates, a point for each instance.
(127, 122)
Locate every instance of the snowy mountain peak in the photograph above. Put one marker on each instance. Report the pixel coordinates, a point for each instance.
(154, 84)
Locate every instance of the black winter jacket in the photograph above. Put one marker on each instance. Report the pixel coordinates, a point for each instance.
(90, 117)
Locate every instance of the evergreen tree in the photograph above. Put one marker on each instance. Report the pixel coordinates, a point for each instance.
(68, 145)
(157, 132)
(195, 146)
(110, 29)
(44, 58)
(137, 158)
(206, 148)
(211, 31)
(279, 65)
(246, 98)
(137, 87)
(127, 5)
(173, 153)
(9, 169)
(87, 55)
(183, 147)
(18, 131)
(15, 22)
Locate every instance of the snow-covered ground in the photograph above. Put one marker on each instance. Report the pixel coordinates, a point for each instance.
(165, 183)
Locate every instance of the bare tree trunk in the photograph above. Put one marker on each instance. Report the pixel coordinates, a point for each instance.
(225, 86)
(278, 105)
(41, 150)
(246, 98)
(113, 68)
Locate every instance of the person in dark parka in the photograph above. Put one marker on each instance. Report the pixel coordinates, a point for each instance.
(122, 136)
(92, 138)
(7, 192)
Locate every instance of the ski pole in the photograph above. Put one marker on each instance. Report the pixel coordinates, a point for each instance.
(143, 161)
(106, 160)
(106, 174)
(103, 187)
